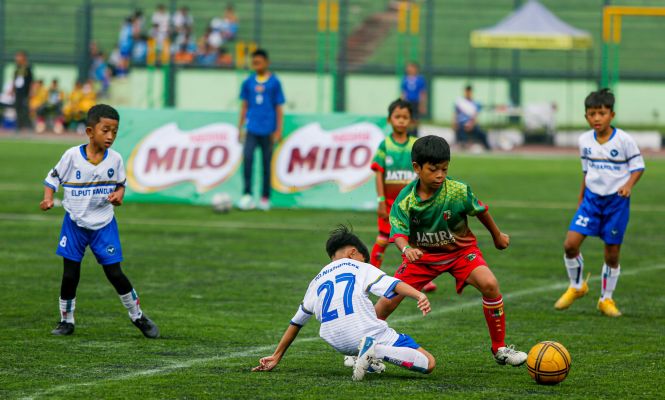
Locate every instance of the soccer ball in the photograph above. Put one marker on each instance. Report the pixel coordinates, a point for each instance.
(222, 203)
(548, 363)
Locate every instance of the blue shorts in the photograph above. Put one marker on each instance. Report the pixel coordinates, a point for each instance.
(104, 243)
(406, 341)
(603, 216)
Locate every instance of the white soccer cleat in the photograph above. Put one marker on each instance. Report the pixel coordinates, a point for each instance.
(375, 367)
(246, 203)
(365, 358)
(264, 204)
(509, 356)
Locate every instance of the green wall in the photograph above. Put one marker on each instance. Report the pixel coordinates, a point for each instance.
(638, 103)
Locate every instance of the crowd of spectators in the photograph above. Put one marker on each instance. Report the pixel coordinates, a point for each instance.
(175, 34)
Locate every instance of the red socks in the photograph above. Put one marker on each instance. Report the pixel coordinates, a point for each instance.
(376, 257)
(496, 321)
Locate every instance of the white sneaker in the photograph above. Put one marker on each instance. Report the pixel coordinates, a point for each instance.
(246, 203)
(264, 204)
(508, 355)
(365, 358)
(375, 367)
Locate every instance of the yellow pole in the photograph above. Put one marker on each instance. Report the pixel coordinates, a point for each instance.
(401, 16)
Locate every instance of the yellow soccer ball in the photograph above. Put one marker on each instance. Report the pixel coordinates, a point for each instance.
(548, 363)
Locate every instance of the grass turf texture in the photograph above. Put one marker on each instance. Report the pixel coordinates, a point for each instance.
(222, 289)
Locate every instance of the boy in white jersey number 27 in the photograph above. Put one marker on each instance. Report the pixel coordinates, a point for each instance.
(93, 178)
(337, 297)
(612, 165)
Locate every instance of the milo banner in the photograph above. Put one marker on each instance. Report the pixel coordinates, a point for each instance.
(323, 161)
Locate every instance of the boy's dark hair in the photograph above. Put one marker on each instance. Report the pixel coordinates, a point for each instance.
(601, 98)
(468, 87)
(399, 103)
(430, 149)
(343, 236)
(99, 111)
(260, 53)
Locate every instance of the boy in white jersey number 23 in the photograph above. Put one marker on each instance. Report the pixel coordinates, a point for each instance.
(337, 297)
(92, 177)
(612, 165)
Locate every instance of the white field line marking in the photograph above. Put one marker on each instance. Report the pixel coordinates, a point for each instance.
(261, 349)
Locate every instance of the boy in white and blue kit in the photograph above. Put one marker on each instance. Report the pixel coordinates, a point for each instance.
(337, 297)
(93, 179)
(612, 165)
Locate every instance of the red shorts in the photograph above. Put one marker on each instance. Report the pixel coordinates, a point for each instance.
(384, 224)
(430, 265)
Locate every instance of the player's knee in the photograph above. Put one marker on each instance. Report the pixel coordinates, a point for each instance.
(382, 241)
(571, 249)
(490, 287)
(431, 363)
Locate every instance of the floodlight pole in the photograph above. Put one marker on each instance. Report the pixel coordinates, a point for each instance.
(514, 81)
(2, 43)
(340, 82)
(429, 48)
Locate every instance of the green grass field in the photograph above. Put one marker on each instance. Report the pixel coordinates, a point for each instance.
(223, 288)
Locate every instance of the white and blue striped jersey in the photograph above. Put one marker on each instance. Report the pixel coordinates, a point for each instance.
(87, 186)
(337, 297)
(608, 166)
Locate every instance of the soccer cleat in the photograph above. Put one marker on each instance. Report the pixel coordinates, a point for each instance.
(572, 294)
(609, 308)
(375, 367)
(264, 204)
(429, 287)
(246, 203)
(365, 358)
(63, 329)
(145, 324)
(509, 356)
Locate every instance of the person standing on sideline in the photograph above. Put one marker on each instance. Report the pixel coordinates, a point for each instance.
(22, 85)
(414, 90)
(261, 109)
(465, 120)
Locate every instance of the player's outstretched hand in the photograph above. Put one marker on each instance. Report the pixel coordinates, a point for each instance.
(423, 304)
(624, 191)
(502, 242)
(413, 254)
(46, 204)
(115, 198)
(266, 364)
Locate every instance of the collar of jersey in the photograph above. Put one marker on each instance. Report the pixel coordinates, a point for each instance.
(397, 143)
(256, 78)
(85, 156)
(614, 132)
(436, 194)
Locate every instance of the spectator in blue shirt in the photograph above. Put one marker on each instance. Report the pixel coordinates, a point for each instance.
(414, 90)
(262, 100)
(465, 120)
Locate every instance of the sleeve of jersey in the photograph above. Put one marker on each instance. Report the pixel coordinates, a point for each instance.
(379, 162)
(244, 95)
(122, 175)
(399, 222)
(472, 205)
(58, 174)
(305, 310)
(380, 284)
(583, 158)
(634, 157)
(280, 94)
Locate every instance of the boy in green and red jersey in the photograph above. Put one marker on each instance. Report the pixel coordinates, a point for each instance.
(429, 226)
(392, 165)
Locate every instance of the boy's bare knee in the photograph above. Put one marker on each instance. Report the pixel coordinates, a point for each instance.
(490, 288)
(431, 363)
(572, 250)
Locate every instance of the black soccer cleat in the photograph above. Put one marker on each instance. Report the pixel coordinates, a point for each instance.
(145, 324)
(63, 329)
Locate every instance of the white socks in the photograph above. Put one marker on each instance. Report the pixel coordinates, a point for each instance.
(67, 310)
(402, 356)
(575, 268)
(610, 277)
(131, 302)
